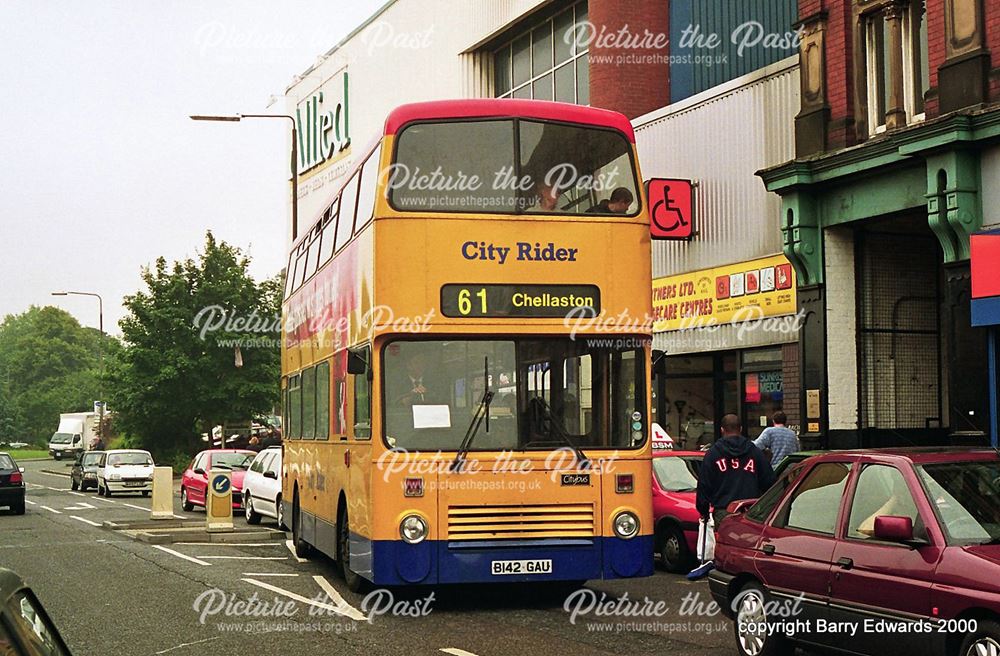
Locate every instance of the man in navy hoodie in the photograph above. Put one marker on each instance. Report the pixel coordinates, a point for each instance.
(733, 469)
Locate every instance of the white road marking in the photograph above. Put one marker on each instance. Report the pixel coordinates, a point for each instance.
(180, 555)
(455, 651)
(79, 494)
(266, 574)
(54, 489)
(51, 510)
(288, 543)
(346, 608)
(186, 644)
(179, 517)
(85, 521)
(304, 600)
(30, 502)
(51, 474)
(132, 505)
(243, 557)
(105, 500)
(230, 544)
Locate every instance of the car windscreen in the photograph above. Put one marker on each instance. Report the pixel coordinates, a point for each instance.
(92, 458)
(676, 474)
(966, 499)
(129, 459)
(6, 462)
(232, 460)
(61, 438)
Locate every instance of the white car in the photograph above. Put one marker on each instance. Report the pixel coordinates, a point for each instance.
(262, 487)
(125, 470)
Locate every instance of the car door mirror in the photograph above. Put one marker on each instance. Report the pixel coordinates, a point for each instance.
(20, 469)
(890, 528)
(199, 471)
(271, 474)
(740, 507)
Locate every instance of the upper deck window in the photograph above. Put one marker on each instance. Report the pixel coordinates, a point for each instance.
(512, 166)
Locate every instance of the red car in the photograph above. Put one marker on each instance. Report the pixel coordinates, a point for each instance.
(194, 482)
(675, 478)
(892, 551)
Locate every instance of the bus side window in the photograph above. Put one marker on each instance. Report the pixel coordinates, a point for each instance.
(366, 194)
(323, 400)
(339, 408)
(363, 400)
(294, 408)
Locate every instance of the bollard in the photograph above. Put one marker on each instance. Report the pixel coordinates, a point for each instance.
(163, 501)
(219, 505)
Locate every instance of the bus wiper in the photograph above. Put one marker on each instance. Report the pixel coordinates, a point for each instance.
(477, 419)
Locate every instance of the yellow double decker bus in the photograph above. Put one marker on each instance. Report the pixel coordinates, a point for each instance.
(465, 359)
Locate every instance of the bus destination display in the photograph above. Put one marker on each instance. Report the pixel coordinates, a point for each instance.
(520, 301)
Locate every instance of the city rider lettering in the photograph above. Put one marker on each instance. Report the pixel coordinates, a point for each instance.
(482, 251)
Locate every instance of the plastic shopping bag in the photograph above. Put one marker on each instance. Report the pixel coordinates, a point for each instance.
(706, 540)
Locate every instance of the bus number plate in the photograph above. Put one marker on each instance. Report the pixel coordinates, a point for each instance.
(501, 567)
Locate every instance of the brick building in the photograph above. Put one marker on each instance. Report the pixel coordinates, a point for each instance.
(896, 158)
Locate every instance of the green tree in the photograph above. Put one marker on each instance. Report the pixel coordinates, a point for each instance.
(177, 374)
(49, 364)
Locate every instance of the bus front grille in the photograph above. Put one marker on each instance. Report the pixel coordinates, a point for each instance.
(575, 520)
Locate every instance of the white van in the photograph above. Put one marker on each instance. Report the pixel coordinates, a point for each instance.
(76, 432)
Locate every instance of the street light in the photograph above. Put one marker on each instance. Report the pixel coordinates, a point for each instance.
(295, 155)
(100, 351)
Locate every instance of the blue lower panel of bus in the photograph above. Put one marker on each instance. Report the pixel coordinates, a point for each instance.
(398, 563)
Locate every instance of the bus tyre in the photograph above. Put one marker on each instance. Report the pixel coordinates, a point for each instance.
(354, 581)
(752, 638)
(300, 545)
(984, 640)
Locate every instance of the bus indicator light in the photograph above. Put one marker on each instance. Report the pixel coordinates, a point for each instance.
(624, 483)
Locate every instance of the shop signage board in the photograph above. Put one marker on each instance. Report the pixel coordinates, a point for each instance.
(731, 294)
(985, 266)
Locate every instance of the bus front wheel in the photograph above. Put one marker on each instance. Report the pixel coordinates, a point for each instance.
(355, 583)
(302, 548)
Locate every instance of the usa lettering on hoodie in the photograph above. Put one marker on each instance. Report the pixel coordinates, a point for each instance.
(733, 469)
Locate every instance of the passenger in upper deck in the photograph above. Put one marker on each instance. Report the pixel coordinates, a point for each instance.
(547, 197)
(619, 202)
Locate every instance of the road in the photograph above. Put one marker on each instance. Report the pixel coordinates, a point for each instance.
(109, 594)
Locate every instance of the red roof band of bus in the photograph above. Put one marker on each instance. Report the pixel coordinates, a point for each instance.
(506, 108)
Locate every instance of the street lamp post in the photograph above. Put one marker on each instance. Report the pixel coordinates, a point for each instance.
(295, 155)
(100, 352)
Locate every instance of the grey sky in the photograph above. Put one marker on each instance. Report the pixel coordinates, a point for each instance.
(101, 170)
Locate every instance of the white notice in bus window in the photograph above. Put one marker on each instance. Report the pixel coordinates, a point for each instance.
(431, 416)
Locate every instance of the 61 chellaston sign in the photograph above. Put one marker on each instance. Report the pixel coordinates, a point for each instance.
(323, 123)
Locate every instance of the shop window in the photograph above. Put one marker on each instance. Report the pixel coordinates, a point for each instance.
(878, 29)
(549, 61)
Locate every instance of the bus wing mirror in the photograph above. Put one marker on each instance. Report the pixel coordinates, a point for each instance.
(659, 362)
(357, 363)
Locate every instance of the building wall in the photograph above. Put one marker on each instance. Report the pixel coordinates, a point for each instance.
(719, 138)
(842, 333)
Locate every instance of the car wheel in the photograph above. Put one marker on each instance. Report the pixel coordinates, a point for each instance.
(355, 583)
(145, 493)
(100, 489)
(302, 548)
(984, 641)
(107, 490)
(280, 512)
(74, 485)
(750, 625)
(251, 514)
(19, 508)
(56, 456)
(186, 504)
(674, 550)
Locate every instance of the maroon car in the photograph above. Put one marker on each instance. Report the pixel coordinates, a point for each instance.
(887, 551)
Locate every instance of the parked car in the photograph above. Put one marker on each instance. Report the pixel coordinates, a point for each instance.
(675, 480)
(125, 470)
(194, 481)
(25, 627)
(11, 484)
(84, 472)
(262, 488)
(903, 545)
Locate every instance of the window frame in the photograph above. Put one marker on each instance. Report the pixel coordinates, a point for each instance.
(516, 163)
(848, 509)
(779, 518)
(322, 432)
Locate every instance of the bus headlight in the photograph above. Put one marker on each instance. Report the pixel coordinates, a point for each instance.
(626, 525)
(413, 529)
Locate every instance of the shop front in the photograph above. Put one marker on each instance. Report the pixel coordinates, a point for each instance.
(729, 334)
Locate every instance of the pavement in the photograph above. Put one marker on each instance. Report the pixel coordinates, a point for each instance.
(111, 594)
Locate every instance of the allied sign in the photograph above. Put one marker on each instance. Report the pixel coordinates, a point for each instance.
(323, 122)
(731, 294)
(671, 208)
